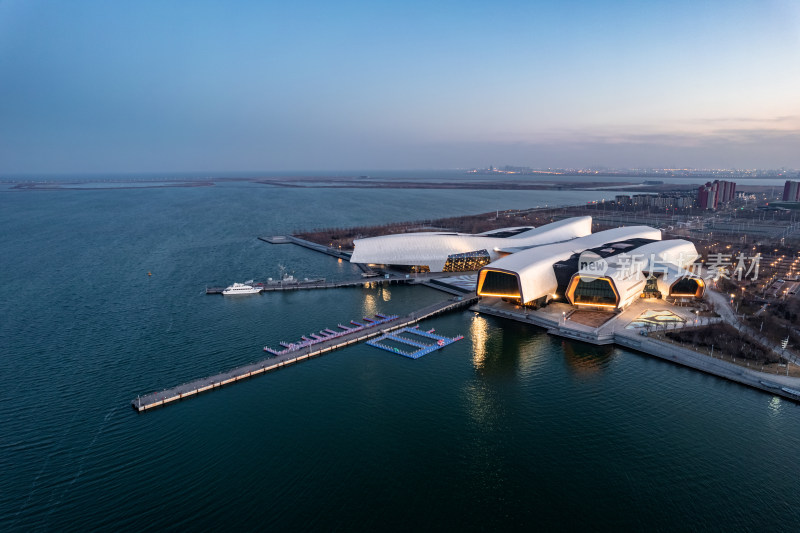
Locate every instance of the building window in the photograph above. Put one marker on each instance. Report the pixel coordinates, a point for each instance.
(596, 291)
(685, 287)
(500, 284)
(467, 261)
(651, 288)
(420, 268)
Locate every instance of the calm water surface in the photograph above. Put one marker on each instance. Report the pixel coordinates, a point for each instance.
(507, 428)
(399, 175)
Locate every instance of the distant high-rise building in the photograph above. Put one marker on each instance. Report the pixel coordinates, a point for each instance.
(702, 197)
(731, 191)
(791, 191)
(707, 196)
(713, 194)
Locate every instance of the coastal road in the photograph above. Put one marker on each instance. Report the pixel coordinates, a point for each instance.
(722, 306)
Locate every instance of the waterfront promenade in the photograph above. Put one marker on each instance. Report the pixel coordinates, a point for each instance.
(555, 319)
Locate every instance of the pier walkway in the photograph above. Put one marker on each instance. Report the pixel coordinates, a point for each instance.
(335, 252)
(295, 285)
(429, 281)
(192, 388)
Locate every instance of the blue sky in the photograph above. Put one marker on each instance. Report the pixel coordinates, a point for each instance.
(214, 86)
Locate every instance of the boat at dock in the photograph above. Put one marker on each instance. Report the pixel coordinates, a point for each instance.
(288, 279)
(242, 288)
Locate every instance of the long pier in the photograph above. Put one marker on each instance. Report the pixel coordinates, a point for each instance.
(286, 239)
(393, 279)
(192, 388)
(296, 285)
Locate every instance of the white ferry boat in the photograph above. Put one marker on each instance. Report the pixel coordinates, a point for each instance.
(241, 288)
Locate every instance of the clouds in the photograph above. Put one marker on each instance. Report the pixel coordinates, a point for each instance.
(149, 86)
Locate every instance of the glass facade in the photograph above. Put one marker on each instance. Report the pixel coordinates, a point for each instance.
(466, 261)
(651, 288)
(595, 291)
(685, 287)
(500, 284)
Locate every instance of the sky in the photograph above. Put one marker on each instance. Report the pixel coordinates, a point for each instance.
(154, 86)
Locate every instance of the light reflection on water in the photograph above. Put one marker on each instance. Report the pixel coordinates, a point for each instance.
(584, 360)
(533, 352)
(482, 406)
(370, 305)
(496, 429)
(479, 334)
(775, 406)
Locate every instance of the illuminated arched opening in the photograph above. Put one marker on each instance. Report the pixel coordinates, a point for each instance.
(592, 292)
(498, 283)
(688, 287)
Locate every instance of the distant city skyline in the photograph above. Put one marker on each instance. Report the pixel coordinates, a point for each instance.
(92, 86)
(744, 172)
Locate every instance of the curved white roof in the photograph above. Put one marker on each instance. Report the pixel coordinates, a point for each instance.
(629, 270)
(432, 248)
(534, 267)
(654, 257)
(675, 252)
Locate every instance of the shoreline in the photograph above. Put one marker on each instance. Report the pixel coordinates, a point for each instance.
(632, 340)
(622, 183)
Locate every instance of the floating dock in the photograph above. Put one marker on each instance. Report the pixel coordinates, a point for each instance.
(329, 334)
(426, 342)
(192, 388)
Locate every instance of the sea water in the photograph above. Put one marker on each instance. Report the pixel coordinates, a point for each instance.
(507, 428)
